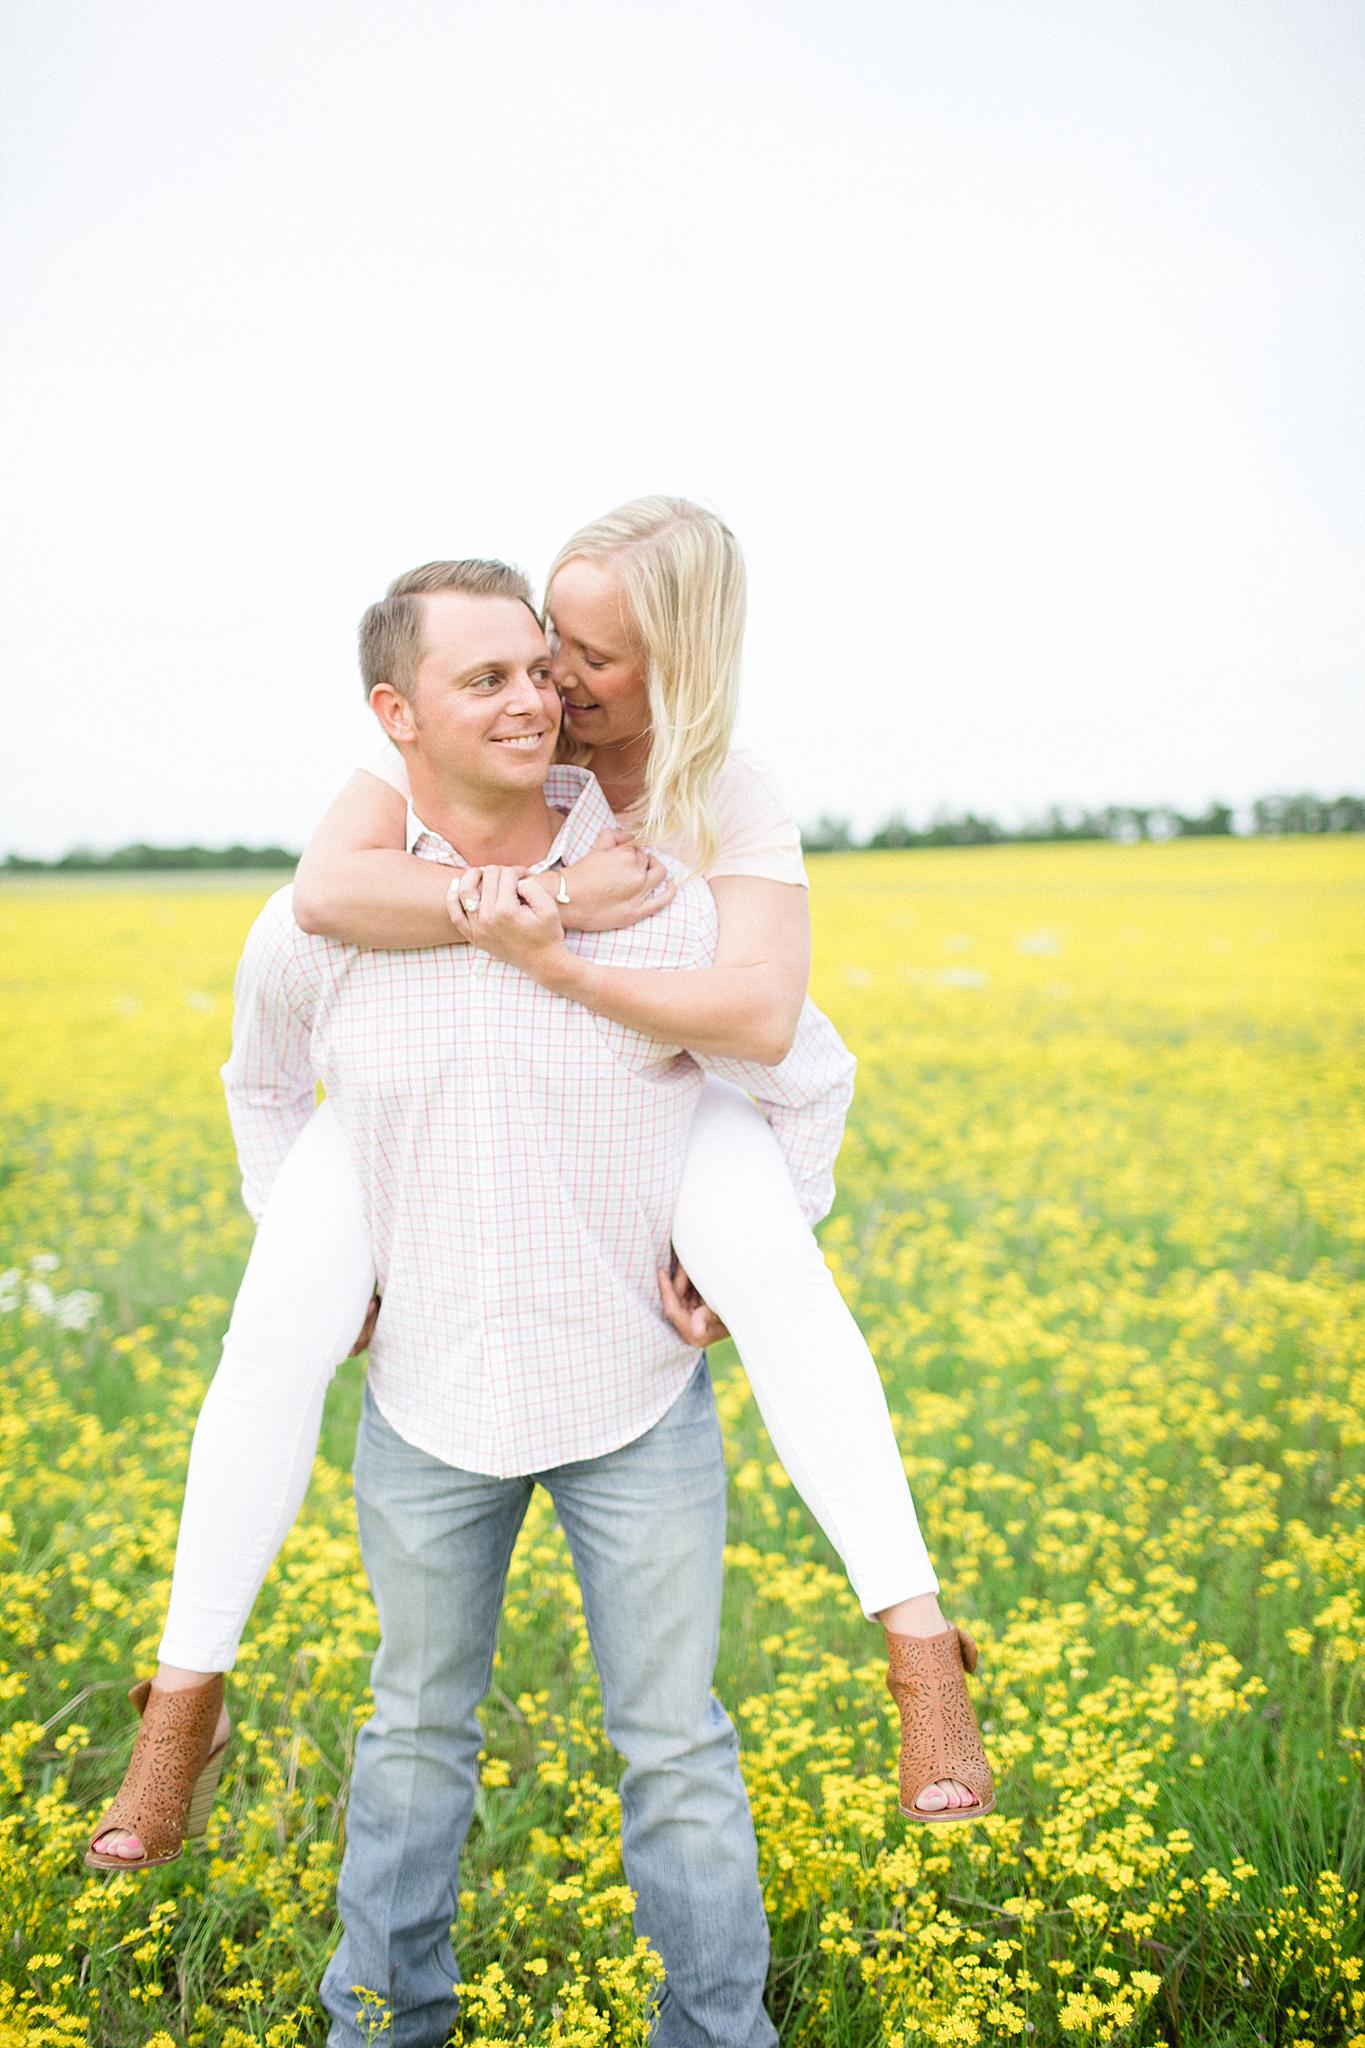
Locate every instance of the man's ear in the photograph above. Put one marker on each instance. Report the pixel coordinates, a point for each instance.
(394, 713)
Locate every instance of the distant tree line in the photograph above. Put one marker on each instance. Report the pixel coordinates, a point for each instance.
(1269, 817)
(142, 858)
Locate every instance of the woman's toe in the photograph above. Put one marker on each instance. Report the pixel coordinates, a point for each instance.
(127, 1846)
(933, 1799)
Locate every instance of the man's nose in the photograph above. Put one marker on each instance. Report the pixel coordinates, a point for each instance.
(528, 697)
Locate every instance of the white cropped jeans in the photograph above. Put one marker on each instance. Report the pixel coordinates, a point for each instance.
(741, 1236)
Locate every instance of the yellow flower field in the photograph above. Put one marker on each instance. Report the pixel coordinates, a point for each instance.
(1102, 1215)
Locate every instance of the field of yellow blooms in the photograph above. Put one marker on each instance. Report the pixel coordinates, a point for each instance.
(1102, 1216)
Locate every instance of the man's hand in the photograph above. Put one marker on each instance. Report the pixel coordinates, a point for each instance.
(514, 918)
(362, 1342)
(615, 884)
(690, 1316)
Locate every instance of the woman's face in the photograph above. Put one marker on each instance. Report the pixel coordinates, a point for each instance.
(600, 676)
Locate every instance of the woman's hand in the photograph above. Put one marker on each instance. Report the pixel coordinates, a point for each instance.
(615, 884)
(514, 917)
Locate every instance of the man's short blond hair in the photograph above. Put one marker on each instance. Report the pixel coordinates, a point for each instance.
(391, 630)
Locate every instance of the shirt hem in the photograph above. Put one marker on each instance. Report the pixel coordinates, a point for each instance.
(614, 1441)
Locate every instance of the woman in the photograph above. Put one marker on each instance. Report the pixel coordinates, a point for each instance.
(646, 612)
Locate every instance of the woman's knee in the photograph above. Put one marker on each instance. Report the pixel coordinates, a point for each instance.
(754, 1257)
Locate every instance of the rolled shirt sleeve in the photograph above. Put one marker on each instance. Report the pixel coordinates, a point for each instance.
(269, 1076)
(806, 1100)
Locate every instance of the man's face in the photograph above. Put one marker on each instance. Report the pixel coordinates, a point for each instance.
(483, 711)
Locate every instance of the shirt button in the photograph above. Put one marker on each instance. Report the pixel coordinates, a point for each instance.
(481, 963)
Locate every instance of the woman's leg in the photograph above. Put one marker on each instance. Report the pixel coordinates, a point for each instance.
(302, 1302)
(740, 1233)
(748, 1249)
(299, 1309)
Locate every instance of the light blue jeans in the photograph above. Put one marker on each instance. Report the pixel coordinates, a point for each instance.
(646, 1528)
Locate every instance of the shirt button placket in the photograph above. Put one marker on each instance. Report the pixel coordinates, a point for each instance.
(489, 1303)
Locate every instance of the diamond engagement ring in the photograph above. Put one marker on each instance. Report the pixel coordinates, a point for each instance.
(471, 903)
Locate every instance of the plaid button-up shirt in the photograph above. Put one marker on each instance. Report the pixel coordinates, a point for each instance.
(519, 1156)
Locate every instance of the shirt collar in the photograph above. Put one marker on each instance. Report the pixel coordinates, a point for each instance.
(566, 788)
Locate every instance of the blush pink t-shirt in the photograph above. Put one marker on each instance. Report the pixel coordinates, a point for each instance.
(758, 835)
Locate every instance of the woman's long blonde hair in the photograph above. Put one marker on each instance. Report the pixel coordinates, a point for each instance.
(682, 576)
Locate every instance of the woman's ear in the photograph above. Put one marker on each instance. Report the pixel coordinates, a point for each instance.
(394, 712)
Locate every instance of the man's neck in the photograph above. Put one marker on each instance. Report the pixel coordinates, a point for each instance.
(515, 830)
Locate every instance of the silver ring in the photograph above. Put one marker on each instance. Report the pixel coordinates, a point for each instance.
(471, 903)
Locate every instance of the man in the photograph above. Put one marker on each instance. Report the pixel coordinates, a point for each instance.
(520, 1159)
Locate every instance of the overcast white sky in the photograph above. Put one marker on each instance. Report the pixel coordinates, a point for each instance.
(1020, 344)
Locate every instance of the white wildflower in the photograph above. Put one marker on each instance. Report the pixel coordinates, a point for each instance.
(77, 1310)
(73, 1311)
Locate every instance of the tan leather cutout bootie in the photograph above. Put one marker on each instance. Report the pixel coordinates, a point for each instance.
(939, 1735)
(168, 1788)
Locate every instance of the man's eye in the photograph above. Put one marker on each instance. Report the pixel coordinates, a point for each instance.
(485, 682)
